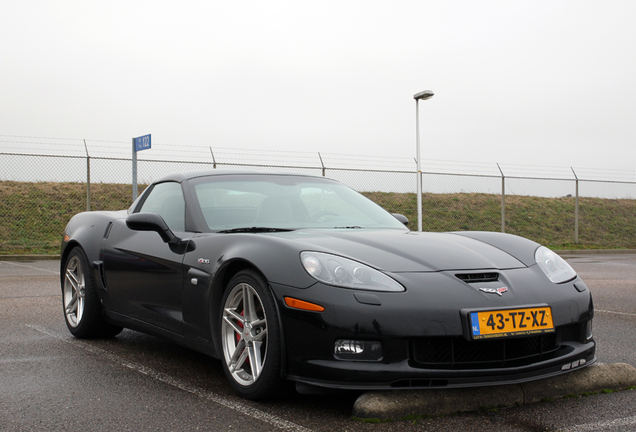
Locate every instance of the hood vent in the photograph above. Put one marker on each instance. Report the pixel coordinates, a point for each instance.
(478, 277)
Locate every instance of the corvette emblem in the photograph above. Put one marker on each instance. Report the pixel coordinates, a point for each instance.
(498, 291)
(204, 261)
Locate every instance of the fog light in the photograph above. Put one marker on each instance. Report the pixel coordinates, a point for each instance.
(346, 349)
(588, 330)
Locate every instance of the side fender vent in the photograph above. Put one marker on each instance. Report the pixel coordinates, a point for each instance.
(108, 228)
(99, 266)
(478, 277)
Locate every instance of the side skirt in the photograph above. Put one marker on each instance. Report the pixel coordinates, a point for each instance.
(197, 344)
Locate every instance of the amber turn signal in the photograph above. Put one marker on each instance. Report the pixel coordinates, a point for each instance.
(300, 304)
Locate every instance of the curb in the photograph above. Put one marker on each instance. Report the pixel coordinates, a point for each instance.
(595, 251)
(29, 257)
(393, 405)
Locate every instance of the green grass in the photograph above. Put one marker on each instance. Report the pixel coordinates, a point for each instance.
(603, 223)
(33, 215)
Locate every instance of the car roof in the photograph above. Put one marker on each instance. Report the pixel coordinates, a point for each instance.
(216, 172)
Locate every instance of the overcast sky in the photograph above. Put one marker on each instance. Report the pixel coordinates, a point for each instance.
(529, 82)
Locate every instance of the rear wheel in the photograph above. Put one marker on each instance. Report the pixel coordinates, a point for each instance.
(82, 308)
(250, 336)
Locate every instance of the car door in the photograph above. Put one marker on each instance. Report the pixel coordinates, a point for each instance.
(144, 275)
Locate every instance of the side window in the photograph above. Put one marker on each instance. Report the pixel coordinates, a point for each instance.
(166, 199)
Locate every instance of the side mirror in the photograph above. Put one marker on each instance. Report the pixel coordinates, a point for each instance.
(151, 222)
(401, 218)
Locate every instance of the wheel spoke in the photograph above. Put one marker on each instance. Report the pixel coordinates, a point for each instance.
(259, 337)
(72, 305)
(240, 318)
(80, 309)
(248, 303)
(72, 278)
(259, 322)
(240, 347)
(233, 324)
(255, 359)
(239, 363)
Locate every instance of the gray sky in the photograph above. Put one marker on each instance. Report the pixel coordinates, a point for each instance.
(528, 82)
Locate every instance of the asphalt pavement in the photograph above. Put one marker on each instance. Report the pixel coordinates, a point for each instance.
(51, 381)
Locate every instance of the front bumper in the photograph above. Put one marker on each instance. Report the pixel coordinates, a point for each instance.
(377, 376)
(412, 325)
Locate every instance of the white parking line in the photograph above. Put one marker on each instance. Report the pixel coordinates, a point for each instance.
(57, 272)
(227, 402)
(590, 427)
(40, 359)
(617, 313)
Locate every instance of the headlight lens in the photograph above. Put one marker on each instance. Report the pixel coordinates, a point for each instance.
(346, 273)
(554, 267)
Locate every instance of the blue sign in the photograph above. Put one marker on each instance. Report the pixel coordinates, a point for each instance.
(142, 143)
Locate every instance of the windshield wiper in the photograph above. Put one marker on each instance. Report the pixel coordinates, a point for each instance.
(255, 230)
(349, 227)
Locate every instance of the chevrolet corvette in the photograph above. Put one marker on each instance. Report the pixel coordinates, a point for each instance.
(298, 278)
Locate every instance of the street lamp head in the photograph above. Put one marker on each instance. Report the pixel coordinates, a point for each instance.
(423, 95)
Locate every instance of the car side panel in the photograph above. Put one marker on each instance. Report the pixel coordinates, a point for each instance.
(143, 277)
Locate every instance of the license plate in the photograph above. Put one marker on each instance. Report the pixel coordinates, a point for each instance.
(511, 322)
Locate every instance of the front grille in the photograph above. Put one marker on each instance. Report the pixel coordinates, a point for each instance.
(459, 353)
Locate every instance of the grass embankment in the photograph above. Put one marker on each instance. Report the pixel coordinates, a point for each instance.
(603, 223)
(33, 215)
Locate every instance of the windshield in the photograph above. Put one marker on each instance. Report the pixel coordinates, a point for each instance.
(233, 202)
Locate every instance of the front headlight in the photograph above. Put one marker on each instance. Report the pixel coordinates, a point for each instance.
(346, 273)
(554, 267)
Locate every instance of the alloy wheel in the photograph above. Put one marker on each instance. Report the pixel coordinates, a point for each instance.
(244, 334)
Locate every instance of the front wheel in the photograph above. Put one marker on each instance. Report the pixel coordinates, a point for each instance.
(82, 308)
(250, 336)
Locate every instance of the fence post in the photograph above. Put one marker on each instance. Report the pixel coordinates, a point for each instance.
(503, 200)
(88, 178)
(323, 165)
(213, 159)
(576, 208)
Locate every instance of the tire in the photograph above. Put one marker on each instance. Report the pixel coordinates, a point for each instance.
(250, 337)
(82, 308)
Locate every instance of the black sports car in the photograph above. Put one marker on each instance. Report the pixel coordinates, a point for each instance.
(296, 277)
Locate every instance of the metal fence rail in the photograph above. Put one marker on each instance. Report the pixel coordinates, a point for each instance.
(450, 201)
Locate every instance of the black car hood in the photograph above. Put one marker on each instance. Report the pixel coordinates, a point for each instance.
(406, 251)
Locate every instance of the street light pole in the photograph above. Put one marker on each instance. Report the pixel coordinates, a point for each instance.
(424, 95)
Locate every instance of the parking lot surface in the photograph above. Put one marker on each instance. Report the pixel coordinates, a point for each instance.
(51, 381)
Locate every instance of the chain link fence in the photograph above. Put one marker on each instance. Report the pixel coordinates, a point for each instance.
(40, 193)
